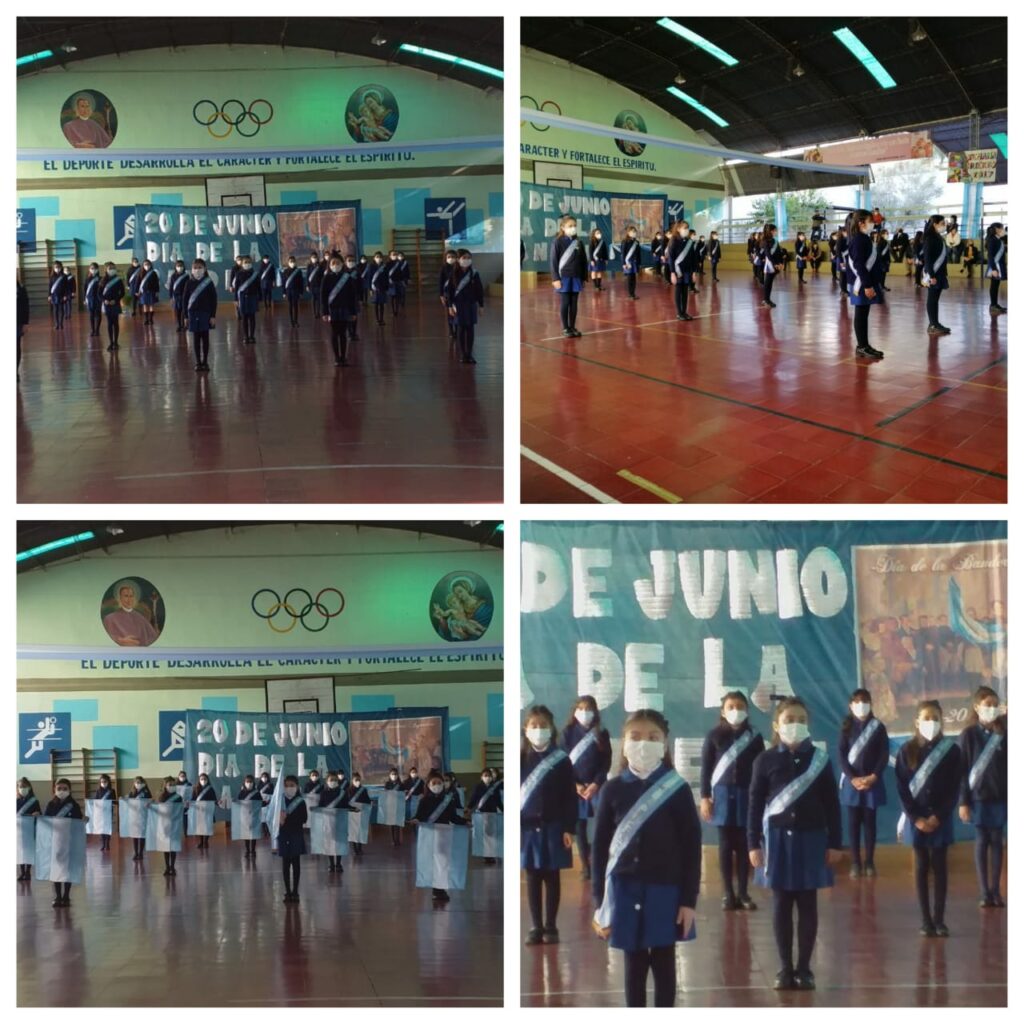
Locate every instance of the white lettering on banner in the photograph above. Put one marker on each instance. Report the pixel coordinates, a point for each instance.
(259, 734)
(545, 580)
(641, 687)
(714, 671)
(824, 583)
(598, 673)
(702, 600)
(586, 587)
(243, 733)
(786, 566)
(749, 583)
(655, 599)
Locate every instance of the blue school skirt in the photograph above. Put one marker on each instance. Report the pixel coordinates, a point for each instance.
(797, 861)
(988, 814)
(942, 836)
(730, 805)
(148, 298)
(177, 298)
(465, 316)
(542, 848)
(569, 284)
(870, 798)
(291, 846)
(198, 321)
(379, 298)
(598, 266)
(643, 914)
(248, 301)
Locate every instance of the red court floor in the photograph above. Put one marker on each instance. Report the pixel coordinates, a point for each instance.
(272, 422)
(868, 951)
(219, 934)
(745, 404)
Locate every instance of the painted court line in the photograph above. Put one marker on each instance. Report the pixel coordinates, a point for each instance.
(754, 988)
(299, 469)
(570, 478)
(648, 485)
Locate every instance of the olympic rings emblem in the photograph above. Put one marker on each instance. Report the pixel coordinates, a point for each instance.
(546, 105)
(312, 604)
(234, 113)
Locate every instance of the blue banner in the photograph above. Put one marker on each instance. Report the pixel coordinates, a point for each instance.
(672, 615)
(124, 227)
(163, 234)
(443, 218)
(41, 732)
(675, 209)
(171, 733)
(609, 212)
(26, 236)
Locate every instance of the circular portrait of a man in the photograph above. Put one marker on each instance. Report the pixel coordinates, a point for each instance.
(132, 612)
(88, 120)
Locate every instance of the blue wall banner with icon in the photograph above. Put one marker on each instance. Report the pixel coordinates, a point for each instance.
(41, 732)
(172, 735)
(26, 229)
(443, 218)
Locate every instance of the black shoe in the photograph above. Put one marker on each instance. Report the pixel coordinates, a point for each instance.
(58, 901)
(287, 897)
(942, 931)
(935, 329)
(174, 872)
(575, 333)
(729, 902)
(471, 360)
(490, 860)
(167, 872)
(199, 367)
(944, 329)
(330, 868)
(869, 871)
(855, 868)
(927, 931)
(803, 980)
(684, 316)
(566, 333)
(745, 902)
(997, 900)
(534, 937)
(986, 901)
(550, 936)
(783, 980)
(443, 897)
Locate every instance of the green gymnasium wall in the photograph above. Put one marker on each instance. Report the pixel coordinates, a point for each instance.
(154, 96)
(558, 87)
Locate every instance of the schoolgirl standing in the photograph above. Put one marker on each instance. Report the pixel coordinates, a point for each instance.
(200, 301)
(357, 794)
(134, 276)
(149, 291)
(291, 839)
(771, 262)
(917, 258)
(658, 244)
(632, 260)
(393, 782)
(568, 272)
(27, 806)
(314, 786)
(726, 765)
(170, 795)
(247, 295)
(62, 806)
(176, 282)
(548, 813)
(794, 813)
(753, 246)
(93, 302)
(377, 286)
(863, 758)
(934, 272)
(696, 262)
(884, 250)
(862, 277)
(465, 297)
(447, 269)
(682, 259)
(800, 250)
(702, 252)
(929, 767)
(249, 791)
(646, 860)
(394, 274)
(714, 254)
(995, 265)
(833, 254)
(139, 791)
(58, 293)
(293, 285)
(69, 292)
(105, 791)
(335, 797)
(268, 277)
(983, 790)
(340, 302)
(590, 751)
(314, 274)
(598, 254)
(842, 247)
(487, 798)
(437, 807)
(203, 792)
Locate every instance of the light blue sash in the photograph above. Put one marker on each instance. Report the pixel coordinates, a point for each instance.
(376, 275)
(110, 284)
(149, 274)
(93, 281)
(134, 274)
(179, 281)
(336, 290)
(731, 756)
(492, 788)
(440, 809)
(415, 789)
(65, 811)
(28, 805)
(334, 803)
(862, 740)
(769, 263)
(56, 284)
(314, 272)
(930, 763)
(462, 284)
(352, 798)
(536, 777)
(941, 260)
(789, 795)
(294, 803)
(636, 817)
(195, 295)
(108, 794)
(632, 252)
(248, 281)
(291, 277)
(268, 269)
(994, 742)
(569, 253)
(583, 746)
(206, 789)
(682, 256)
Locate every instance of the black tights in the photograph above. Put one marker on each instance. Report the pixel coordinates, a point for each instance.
(179, 316)
(249, 326)
(932, 304)
(552, 882)
(631, 284)
(466, 341)
(396, 835)
(681, 297)
(139, 846)
(862, 816)
(769, 281)
(250, 847)
(62, 890)
(113, 328)
(169, 859)
(291, 884)
(583, 840)
(732, 841)
(570, 305)
(293, 308)
(806, 903)
(661, 961)
(58, 314)
(988, 849)
(860, 332)
(201, 346)
(933, 858)
(338, 340)
(95, 319)
(993, 291)
(379, 310)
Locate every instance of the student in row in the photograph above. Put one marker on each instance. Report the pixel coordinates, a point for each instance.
(487, 798)
(105, 791)
(358, 796)
(335, 797)
(202, 791)
(139, 791)
(339, 300)
(294, 287)
(590, 751)
(249, 792)
(632, 259)
(568, 273)
(27, 806)
(62, 806)
(437, 807)
(393, 782)
(169, 795)
(199, 298)
(291, 839)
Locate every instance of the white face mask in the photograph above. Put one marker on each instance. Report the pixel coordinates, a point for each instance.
(860, 709)
(450, 260)
(643, 756)
(314, 779)
(357, 783)
(393, 777)
(794, 732)
(335, 268)
(350, 265)
(929, 728)
(436, 788)
(987, 713)
(486, 780)
(584, 717)
(538, 736)
(597, 236)
(62, 793)
(291, 264)
(735, 716)
(247, 266)
(333, 784)
(464, 263)
(204, 782)
(570, 230)
(23, 790)
(169, 787)
(289, 791)
(104, 783)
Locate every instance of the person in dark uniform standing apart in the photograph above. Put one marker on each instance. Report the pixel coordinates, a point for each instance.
(862, 272)
(465, 299)
(268, 278)
(247, 294)
(293, 285)
(443, 808)
(632, 260)
(58, 293)
(568, 273)
(995, 265)
(314, 278)
(340, 303)
(714, 254)
(112, 292)
(771, 263)
(800, 251)
(590, 751)
(291, 839)
(27, 806)
(62, 806)
(149, 292)
(104, 791)
(726, 765)
(794, 812)
(682, 261)
(934, 271)
(93, 303)
(199, 298)
(598, 254)
(176, 289)
(134, 275)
